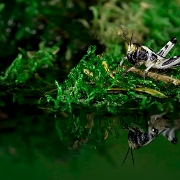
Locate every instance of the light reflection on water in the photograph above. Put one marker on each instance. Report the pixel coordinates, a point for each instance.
(158, 160)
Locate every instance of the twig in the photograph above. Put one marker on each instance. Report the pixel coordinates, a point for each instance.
(155, 76)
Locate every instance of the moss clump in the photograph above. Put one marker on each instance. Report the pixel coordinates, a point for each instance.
(96, 98)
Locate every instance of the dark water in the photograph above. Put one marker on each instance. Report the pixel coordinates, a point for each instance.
(158, 160)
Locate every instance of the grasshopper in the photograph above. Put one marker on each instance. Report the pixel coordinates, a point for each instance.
(138, 55)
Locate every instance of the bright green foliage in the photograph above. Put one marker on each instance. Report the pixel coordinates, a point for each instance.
(23, 69)
(91, 90)
(95, 99)
(86, 91)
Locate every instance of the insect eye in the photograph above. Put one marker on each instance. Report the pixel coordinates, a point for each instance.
(154, 130)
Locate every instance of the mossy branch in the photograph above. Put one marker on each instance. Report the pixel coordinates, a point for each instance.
(155, 76)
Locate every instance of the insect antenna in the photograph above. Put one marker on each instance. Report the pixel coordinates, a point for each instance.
(131, 38)
(124, 35)
(126, 156)
(132, 156)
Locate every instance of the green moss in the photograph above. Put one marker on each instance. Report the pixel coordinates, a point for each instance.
(95, 99)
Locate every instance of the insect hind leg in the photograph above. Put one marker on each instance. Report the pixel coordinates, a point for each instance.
(169, 63)
(165, 50)
(170, 135)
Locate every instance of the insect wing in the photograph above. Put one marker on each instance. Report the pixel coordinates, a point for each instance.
(165, 50)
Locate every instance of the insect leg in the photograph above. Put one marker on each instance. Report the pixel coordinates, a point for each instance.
(127, 71)
(130, 69)
(170, 135)
(168, 63)
(124, 58)
(147, 69)
(165, 50)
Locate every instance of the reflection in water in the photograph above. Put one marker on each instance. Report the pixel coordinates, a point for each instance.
(34, 150)
(157, 124)
(137, 137)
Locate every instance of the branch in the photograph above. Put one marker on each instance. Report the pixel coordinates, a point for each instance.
(155, 76)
